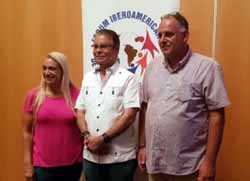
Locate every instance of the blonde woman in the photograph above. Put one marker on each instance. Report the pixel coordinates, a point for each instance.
(52, 142)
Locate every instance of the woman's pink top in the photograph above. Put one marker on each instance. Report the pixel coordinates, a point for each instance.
(56, 138)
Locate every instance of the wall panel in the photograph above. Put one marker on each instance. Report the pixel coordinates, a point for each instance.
(233, 51)
(29, 30)
(200, 16)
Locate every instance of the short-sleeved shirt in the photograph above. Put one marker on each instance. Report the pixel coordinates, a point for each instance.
(177, 114)
(103, 102)
(56, 137)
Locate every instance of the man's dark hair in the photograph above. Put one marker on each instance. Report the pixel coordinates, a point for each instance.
(112, 34)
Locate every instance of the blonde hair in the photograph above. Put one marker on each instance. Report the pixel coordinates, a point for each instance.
(61, 59)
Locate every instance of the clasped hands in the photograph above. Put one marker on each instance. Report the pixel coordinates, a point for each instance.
(95, 144)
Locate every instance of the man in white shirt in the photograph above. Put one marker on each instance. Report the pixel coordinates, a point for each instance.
(106, 109)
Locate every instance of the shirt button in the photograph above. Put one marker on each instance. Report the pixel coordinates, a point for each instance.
(99, 105)
(97, 117)
(97, 129)
(101, 92)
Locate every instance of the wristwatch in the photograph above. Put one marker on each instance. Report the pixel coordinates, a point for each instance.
(106, 138)
(84, 134)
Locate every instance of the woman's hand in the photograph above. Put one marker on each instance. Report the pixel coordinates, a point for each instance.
(28, 170)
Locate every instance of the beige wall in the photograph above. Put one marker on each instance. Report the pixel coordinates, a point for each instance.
(233, 53)
(200, 17)
(30, 29)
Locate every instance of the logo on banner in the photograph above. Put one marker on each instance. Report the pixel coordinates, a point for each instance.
(138, 36)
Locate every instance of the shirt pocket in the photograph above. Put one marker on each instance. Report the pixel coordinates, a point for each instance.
(114, 97)
(90, 95)
(185, 92)
(190, 97)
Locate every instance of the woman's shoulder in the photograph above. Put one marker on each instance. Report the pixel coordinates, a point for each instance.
(29, 99)
(32, 92)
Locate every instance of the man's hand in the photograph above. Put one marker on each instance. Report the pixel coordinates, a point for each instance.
(206, 171)
(94, 143)
(141, 158)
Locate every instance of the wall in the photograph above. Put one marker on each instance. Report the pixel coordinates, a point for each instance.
(233, 53)
(233, 45)
(30, 29)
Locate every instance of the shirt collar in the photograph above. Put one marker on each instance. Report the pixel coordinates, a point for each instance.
(180, 64)
(110, 70)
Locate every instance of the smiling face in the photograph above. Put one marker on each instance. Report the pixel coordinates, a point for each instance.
(52, 72)
(172, 38)
(104, 50)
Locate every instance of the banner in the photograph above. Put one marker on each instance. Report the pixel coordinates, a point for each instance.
(136, 22)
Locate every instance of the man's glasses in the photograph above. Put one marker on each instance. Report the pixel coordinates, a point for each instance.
(102, 46)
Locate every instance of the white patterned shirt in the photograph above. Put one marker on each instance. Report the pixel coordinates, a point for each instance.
(103, 102)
